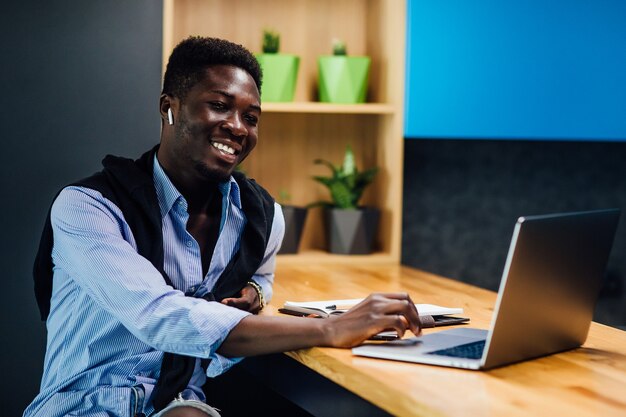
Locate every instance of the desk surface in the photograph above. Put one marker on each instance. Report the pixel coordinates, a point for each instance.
(589, 381)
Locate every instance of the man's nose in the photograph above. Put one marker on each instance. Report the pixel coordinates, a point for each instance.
(235, 125)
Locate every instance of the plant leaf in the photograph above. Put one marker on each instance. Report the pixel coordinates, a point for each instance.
(348, 162)
(342, 195)
(333, 168)
(347, 184)
(324, 180)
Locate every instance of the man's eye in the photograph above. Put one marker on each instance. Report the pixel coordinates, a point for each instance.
(218, 105)
(253, 120)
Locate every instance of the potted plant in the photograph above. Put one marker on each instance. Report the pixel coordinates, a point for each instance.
(280, 71)
(343, 78)
(350, 228)
(294, 223)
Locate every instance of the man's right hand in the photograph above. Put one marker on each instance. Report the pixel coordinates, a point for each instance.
(261, 334)
(375, 314)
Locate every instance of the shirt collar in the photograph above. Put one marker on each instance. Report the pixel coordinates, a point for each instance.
(168, 195)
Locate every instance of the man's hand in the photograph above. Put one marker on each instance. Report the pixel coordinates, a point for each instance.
(262, 334)
(248, 300)
(377, 313)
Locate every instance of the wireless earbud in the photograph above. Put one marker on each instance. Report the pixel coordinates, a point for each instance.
(170, 116)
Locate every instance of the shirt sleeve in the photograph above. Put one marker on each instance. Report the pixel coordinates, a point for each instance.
(264, 276)
(95, 247)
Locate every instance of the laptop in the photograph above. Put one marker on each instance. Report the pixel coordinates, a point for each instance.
(552, 276)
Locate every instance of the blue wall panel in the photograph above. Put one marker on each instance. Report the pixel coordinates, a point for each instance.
(527, 69)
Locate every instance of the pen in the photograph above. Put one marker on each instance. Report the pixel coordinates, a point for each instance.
(331, 307)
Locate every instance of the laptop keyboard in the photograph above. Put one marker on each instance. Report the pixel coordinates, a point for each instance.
(472, 350)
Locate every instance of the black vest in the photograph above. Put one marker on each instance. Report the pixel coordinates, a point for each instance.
(129, 185)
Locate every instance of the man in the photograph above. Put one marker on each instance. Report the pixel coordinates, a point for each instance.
(150, 272)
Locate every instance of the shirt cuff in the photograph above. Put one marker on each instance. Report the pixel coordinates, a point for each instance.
(266, 286)
(225, 321)
(220, 364)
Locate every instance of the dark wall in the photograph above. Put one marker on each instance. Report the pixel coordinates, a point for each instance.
(80, 79)
(462, 198)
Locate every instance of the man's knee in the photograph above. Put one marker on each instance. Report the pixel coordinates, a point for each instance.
(185, 412)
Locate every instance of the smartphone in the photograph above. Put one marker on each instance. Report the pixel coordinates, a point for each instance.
(392, 335)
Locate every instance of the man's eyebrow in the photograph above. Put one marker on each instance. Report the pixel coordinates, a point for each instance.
(224, 93)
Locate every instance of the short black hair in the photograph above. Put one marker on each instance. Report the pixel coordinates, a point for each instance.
(192, 56)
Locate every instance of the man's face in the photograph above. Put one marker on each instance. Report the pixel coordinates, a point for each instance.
(216, 125)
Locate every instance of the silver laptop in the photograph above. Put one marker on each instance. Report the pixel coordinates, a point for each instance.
(551, 280)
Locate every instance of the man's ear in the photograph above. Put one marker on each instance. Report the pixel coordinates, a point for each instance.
(168, 107)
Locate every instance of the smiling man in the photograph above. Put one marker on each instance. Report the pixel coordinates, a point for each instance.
(150, 273)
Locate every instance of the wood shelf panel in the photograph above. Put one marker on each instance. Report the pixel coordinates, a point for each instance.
(328, 108)
(319, 257)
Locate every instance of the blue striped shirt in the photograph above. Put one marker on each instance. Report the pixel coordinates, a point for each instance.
(112, 315)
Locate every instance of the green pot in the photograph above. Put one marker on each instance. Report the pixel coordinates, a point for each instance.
(343, 79)
(280, 72)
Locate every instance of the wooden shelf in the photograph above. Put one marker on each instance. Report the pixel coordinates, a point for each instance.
(316, 257)
(316, 107)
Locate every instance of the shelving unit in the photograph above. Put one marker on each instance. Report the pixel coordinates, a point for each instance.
(292, 135)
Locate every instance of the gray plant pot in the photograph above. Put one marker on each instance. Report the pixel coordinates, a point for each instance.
(294, 223)
(352, 231)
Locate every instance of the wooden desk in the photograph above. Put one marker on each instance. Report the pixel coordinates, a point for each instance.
(589, 381)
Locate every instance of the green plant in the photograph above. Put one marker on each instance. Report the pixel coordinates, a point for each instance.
(271, 41)
(346, 185)
(339, 47)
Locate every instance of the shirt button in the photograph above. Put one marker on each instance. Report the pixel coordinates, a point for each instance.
(189, 243)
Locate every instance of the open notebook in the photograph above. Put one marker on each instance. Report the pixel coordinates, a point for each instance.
(430, 314)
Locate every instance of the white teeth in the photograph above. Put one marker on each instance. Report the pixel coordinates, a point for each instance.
(224, 148)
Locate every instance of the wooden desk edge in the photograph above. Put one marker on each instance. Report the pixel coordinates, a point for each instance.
(392, 400)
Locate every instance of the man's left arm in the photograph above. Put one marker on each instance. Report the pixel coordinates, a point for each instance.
(249, 299)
